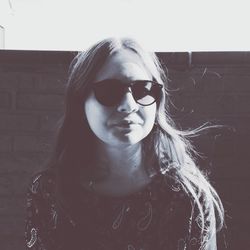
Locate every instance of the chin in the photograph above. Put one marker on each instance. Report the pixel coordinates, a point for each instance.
(128, 139)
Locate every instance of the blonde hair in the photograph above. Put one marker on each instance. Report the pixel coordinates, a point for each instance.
(170, 146)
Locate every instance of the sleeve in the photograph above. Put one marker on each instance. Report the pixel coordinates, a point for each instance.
(39, 213)
(175, 224)
(179, 227)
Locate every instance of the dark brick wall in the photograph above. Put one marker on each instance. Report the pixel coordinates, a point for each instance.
(31, 98)
(203, 86)
(215, 88)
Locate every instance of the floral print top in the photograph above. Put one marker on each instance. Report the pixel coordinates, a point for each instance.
(156, 218)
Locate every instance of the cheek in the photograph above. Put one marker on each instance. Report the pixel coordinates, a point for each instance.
(149, 116)
(96, 115)
(93, 111)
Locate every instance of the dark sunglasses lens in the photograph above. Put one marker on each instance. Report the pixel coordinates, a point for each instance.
(108, 93)
(146, 93)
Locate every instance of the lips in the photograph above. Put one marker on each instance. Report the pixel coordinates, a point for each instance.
(126, 123)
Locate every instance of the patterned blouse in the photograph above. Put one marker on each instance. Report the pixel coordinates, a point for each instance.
(156, 218)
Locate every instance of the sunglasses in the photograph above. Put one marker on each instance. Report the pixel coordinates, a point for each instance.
(110, 92)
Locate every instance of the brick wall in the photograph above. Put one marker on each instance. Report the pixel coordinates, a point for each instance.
(31, 98)
(203, 86)
(215, 88)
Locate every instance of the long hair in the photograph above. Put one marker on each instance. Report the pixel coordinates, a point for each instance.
(75, 147)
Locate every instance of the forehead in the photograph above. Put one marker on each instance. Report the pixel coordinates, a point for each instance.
(124, 65)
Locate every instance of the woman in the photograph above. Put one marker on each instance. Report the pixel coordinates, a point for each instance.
(121, 176)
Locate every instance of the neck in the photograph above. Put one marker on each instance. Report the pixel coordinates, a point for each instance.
(120, 161)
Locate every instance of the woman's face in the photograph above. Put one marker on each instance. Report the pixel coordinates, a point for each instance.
(127, 122)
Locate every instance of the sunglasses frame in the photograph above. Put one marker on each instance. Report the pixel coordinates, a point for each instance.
(129, 85)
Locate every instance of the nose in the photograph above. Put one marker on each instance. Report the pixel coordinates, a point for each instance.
(128, 103)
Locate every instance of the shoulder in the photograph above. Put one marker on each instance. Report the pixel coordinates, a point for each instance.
(40, 207)
(175, 215)
(172, 191)
(174, 203)
(41, 191)
(42, 182)
(188, 213)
